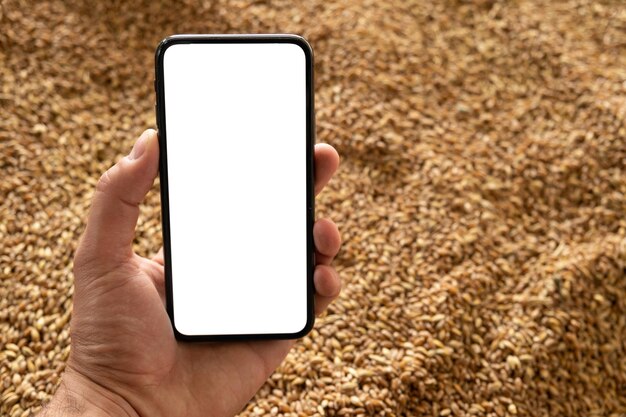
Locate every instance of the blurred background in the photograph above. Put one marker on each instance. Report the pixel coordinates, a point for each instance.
(481, 195)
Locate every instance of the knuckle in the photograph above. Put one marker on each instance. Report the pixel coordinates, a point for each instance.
(104, 182)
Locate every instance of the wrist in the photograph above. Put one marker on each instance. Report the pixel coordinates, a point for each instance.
(77, 395)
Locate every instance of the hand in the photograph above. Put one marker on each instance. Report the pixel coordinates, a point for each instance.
(124, 358)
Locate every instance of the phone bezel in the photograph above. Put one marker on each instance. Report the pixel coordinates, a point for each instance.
(163, 173)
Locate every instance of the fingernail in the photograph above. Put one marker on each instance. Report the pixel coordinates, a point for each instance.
(140, 146)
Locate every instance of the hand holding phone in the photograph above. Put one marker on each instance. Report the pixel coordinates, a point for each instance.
(124, 357)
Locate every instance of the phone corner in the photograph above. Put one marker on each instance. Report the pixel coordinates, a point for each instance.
(163, 45)
(308, 326)
(301, 41)
(178, 335)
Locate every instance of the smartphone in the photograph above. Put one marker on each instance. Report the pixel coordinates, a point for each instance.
(236, 129)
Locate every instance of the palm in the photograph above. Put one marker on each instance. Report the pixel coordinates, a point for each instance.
(141, 349)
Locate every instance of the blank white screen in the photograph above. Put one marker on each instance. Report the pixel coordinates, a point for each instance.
(235, 121)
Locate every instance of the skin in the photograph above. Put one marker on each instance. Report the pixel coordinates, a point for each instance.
(124, 358)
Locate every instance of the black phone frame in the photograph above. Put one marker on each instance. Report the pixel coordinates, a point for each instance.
(163, 173)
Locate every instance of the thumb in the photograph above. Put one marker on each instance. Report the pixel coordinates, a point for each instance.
(108, 237)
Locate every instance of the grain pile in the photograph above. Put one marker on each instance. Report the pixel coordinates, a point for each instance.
(481, 196)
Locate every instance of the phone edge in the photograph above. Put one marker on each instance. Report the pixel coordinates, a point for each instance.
(164, 184)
